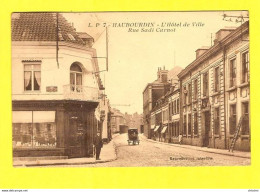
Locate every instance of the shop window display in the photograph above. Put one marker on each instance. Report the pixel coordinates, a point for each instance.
(34, 129)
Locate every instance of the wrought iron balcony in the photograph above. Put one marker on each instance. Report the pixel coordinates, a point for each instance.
(79, 92)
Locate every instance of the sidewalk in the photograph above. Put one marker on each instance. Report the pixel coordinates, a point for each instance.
(242, 154)
(108, 153)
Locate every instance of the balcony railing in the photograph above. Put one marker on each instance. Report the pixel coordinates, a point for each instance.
(79, 92)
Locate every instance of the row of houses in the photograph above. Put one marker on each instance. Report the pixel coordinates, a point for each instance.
(210, 99)
(120, 122)
(58, 97)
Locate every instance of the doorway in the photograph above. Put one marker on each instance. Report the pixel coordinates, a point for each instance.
(207, 118)
(76, 138)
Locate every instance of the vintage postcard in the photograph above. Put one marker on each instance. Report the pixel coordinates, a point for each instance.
(130, 89)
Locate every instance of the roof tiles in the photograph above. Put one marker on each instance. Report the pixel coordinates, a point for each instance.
(43, 27)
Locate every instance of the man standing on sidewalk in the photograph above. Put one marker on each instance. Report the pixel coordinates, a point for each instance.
(98, 145)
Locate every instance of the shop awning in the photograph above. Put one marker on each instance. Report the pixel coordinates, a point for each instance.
(164, 129)
(33, 116)
(43, 116)
(156, 128)
(22, 117)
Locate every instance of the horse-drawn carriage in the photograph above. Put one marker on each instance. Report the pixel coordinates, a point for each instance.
(133, 136)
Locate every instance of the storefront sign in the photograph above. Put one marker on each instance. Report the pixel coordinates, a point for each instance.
(51, 89)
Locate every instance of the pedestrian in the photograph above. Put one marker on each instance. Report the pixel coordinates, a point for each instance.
(180, 139)
(98, 145)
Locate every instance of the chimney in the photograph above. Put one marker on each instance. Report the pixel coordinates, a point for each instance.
(222, 33)
(162, 75)
(200, 51)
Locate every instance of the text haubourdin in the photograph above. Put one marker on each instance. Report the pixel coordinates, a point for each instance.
(149, 26)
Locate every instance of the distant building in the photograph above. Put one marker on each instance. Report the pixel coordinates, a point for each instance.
(134, 120)
(152, 93)
(117, 119)
(165, 114)
(215, 92)
(123, 129)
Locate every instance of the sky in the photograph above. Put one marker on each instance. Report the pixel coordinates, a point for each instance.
(134, 57)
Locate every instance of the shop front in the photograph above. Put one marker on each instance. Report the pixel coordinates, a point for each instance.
(53, 128)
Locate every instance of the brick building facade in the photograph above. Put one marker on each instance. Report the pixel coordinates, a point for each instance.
(215, 92)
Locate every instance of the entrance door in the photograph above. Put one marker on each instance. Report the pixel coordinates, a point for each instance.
(76, 138)
(207, 118)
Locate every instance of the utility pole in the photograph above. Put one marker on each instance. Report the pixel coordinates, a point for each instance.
(106, 57)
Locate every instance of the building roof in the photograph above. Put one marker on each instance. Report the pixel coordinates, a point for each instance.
(43, 27)
(172, 78)
(173, 73)
(116, 112)
(203, 48)
(159, 82)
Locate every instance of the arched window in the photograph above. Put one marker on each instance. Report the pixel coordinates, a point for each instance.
(75, 78)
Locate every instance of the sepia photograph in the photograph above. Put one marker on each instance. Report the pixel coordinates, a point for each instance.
(130, 89)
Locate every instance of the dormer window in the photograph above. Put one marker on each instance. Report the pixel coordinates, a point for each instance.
(75, 78)
(71, 37)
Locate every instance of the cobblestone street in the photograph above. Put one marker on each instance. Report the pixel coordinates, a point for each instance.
(150, 154)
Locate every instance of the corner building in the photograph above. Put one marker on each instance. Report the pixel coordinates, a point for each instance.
(54, 88)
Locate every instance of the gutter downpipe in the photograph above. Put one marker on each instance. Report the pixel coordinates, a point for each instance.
(224, 80)
(181, 109)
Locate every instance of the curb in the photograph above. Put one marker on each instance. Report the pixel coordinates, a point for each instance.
(73, 163)
(187, 147)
